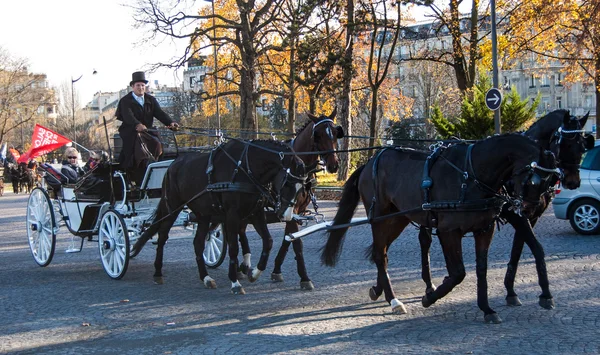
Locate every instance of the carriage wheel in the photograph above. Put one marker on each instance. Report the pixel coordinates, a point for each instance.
(215, 247)
(113, 242)
(41, 227)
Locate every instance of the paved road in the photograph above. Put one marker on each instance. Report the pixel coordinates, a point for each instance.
(72, 307)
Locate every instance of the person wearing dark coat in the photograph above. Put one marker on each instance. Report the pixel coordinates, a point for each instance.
(137, 111)
(70, 168)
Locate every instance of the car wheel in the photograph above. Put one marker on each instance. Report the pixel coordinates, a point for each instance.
(585, 217)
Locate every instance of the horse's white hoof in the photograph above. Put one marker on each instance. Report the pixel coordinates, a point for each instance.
(397, 307)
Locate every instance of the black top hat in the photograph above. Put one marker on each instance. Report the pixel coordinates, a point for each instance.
(138, 76)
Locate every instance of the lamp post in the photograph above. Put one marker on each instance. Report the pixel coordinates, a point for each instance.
(73, 81)
(215, 59)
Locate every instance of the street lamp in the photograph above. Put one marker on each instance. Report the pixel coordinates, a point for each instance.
(73, 81)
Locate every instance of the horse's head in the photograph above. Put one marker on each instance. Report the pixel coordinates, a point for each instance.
(288, 182)
(324, 136)
(568, 143)
(529, 181)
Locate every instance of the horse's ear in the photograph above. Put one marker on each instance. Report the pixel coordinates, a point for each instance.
(584, 119)
(589, 141)
(332, 115)
(340, 132)
(312, 117)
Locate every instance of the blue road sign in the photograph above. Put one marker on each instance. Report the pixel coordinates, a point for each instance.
(493, 99)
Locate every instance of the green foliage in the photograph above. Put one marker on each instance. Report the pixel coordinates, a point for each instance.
(404, 131)
(517, 113)
(476, 121)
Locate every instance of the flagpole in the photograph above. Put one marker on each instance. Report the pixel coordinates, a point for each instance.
(79, 145)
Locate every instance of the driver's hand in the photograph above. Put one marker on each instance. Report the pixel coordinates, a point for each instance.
(140, 127)
(173, 126)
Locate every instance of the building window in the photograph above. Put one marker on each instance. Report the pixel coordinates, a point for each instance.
(545, 81)
(532, 82)
(559, 102)
(192, 81)
(545, 104)
(558, 79)
(588, 101)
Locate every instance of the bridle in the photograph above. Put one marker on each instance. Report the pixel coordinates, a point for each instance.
(557, 139)
(329, 133)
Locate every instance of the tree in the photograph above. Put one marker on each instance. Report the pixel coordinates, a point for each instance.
(24, 98)
(476, 121)
(561, 32)
(241, 29)
(384, 32)
(466, 36)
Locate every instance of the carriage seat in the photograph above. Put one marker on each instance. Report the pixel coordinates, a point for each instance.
(53, 176)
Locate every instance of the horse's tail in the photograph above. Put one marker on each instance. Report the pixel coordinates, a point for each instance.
(347, 206)
(161, 211)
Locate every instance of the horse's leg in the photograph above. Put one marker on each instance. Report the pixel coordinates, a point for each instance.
(246, 264)
(451, 242)
(199, 243)
(163, 236)
(384, 233)
(524, 234)
(483, 240)
(425, 243)
(231, 228)
(260, 224)
(298, 245)
(276, 275)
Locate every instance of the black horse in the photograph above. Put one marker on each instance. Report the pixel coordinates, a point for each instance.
(455, 190)
(562, 134)
(232, 184)
(319, 134)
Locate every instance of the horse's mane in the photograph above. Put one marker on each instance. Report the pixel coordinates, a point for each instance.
(560, 113)
(299, 130)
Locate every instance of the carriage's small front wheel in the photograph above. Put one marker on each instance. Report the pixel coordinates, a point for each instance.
(215, 247)
(41, 226)
(113, 243)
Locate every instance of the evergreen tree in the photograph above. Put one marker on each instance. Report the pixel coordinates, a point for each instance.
(476, 121)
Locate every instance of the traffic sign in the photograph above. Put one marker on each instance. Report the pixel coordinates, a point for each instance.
(493, 99)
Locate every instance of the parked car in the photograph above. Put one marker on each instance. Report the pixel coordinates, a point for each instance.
(582, 206)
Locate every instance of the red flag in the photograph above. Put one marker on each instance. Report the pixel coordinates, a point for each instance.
(43, 141)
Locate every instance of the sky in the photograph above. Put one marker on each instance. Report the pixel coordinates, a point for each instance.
(68, 38)
(65, 39)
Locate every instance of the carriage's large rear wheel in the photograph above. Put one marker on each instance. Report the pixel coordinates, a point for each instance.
(215, 247)
(41, 226)
(113, 242)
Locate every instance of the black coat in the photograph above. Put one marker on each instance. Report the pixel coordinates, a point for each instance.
(131, 114)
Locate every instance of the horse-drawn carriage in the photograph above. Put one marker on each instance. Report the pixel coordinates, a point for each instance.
(111, 212)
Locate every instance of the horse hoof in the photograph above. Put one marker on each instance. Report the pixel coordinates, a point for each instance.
(276, 277)
(241, 275)
(513, 301)
(211, 284)
(425, 301)
(243, 268)
(547, 303)
(372, 294)
(253, 275)
(238, 290)
(492, 318)
(307, 285)
(158, 280)
(430, 290)
(398, 307)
